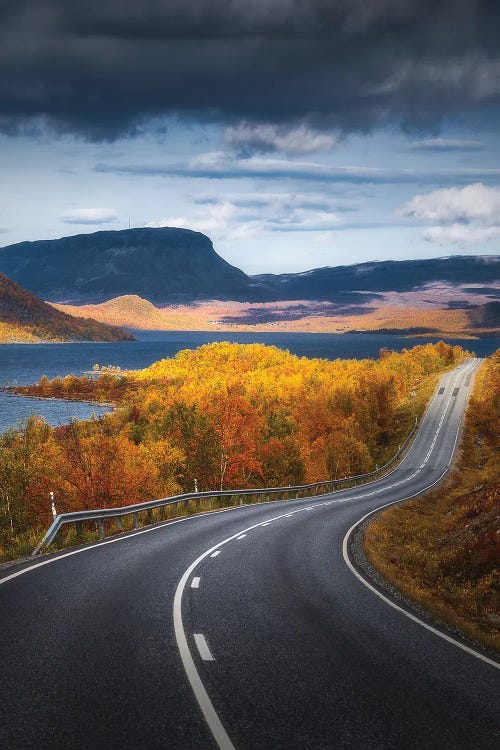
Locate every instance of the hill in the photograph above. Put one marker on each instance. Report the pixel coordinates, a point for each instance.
(159, 264)
(24, 317)
(420, 312)
(169, 265)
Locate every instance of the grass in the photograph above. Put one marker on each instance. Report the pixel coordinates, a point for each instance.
(442, 550)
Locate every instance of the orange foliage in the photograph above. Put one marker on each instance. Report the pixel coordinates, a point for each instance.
(227, 415)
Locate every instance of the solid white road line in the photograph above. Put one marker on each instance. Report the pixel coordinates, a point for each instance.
(202, 644)
(195, 583)
(390, 602)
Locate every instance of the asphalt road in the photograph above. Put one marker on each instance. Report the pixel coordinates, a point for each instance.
(244, 628)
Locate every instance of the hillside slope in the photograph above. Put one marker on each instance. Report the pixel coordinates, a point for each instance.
(24, 317)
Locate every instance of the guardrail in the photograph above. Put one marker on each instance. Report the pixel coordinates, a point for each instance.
(193, 501)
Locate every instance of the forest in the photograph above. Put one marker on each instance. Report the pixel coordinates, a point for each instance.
(226, 415)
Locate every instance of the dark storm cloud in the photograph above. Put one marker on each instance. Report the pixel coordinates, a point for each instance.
(107, 68)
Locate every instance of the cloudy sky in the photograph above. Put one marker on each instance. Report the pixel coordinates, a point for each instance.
(295, 133)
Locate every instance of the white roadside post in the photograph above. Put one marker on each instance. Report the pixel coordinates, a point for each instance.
(53, 506)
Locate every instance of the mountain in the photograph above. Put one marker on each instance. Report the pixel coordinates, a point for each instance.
(382, 276)
(170, 265)
(24, 317)
(159, 264)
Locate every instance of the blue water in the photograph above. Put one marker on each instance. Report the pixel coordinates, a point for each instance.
(26, 363)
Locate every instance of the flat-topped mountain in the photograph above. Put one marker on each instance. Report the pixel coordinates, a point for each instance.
(160, 265)
(24, 317)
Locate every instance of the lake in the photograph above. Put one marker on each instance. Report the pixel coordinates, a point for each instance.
(26, 363)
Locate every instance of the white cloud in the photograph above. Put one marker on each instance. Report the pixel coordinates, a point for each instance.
(253, 214)
(320, 201)
(217, 220)
(462, 235)
(266, 137)
(90, 216)
(461, 216)
(475, 202)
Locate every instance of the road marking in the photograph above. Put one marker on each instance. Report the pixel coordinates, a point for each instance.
(195, 583)
(197, 686)
(266, 523)
(214, 554)
(120, 538)
(365, 582)
(211, 717)
(202, 644)
(435, 631)
(241, 536)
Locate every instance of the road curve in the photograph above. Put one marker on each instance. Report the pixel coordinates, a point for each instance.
(245, 628)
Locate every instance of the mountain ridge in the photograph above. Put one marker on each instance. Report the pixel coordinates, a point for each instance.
(167, 265)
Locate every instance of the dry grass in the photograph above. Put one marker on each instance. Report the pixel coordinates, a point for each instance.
(392, 312)
(443, 550)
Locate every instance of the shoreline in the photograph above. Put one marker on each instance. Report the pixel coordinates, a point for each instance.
(277, 329)
(14, 394)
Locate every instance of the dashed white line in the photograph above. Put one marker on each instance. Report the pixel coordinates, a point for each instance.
(202, 644)
(214, 554)
(211, 717)
(241, 536)
(195, 583)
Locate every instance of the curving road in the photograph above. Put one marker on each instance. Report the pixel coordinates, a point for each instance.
(245, 628)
